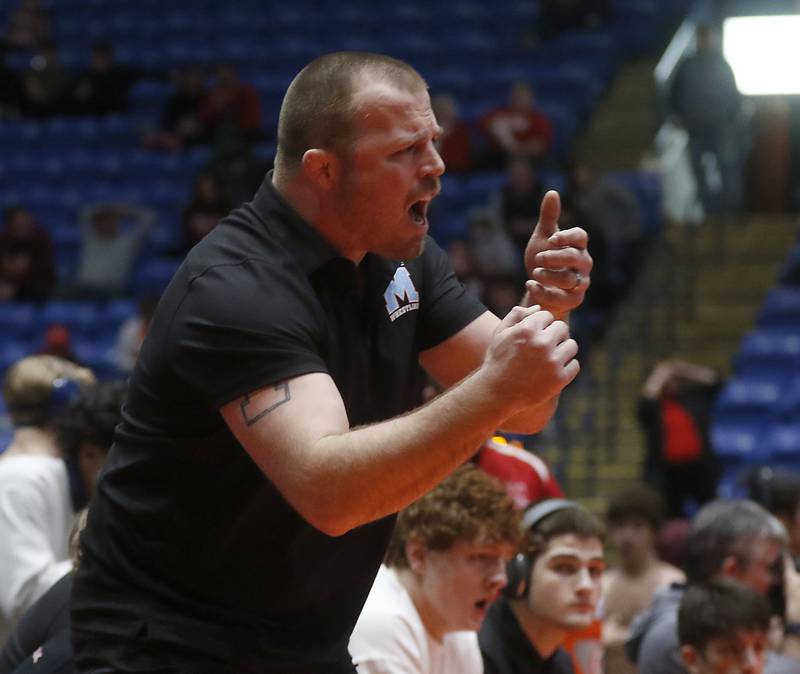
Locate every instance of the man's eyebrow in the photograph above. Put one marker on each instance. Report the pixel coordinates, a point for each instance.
(574, 557)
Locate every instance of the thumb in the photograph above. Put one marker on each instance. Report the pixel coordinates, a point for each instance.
(549, 213)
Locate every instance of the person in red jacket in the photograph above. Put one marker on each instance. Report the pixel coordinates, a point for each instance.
(517, 129)
(231, 106)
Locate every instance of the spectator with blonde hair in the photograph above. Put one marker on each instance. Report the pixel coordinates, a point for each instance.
(36, 512)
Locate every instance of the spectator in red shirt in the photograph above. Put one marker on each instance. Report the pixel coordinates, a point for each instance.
(231, 107)
(455, 143)
(526, 476)
(517, 130)
(27, 268)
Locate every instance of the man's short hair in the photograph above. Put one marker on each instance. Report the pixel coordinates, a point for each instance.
(637, 503)
(572, 520)
(778, 490)
(718, 609)
(91, 418)
(724, 528)
(469, 505)
(317, 110)
(37, 388)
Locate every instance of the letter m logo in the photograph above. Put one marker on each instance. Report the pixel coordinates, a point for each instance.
(400, 296)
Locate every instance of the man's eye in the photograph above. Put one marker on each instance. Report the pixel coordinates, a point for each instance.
(565, 569)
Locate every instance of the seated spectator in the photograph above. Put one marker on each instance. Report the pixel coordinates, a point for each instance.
(723, 628)
(238, 171)
(517, 129)
(778, 490)
(517, 204)
(36, 512)
(634, 519)
(11, 96)
(675, 415)
(103, 87)
(58, 342)
(494, 251)
(109, 250)
(27, 265)
(455, 142)
(527, 477)
(181, 125)
(727, 539)
(132, 333)
(231, 107)
(205, 209)
(47, 85)
(85, 431)
(444, 566)
(553, 589)
(27, 25)
(608, 210)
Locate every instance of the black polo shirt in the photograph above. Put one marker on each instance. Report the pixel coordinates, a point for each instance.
(507, 650)
(188, 542)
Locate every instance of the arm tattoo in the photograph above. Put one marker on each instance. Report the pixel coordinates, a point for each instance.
(250, 420)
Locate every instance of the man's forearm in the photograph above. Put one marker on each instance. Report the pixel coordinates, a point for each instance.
(531, 420)
(370, 472)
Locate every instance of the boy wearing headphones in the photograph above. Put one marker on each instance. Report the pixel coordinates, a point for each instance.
(445, 565)
(553, 589)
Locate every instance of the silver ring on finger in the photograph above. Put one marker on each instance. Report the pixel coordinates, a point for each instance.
(578, 280)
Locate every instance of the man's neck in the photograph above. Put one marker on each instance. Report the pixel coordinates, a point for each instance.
(306, 203)
(33, 441)
(543, 635)
(429, 617)
(641, 566)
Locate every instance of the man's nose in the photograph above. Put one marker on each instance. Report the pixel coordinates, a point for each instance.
(497, 577)
(434, 164)
(585, 582)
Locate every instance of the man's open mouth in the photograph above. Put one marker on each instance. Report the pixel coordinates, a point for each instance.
(419, 212)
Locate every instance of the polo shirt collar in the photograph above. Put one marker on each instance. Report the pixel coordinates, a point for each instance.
(306, 244)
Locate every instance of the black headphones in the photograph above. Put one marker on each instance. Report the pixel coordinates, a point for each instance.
(518, 570)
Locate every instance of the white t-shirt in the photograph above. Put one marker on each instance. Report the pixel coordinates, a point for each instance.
(36, 518)
(389, 637)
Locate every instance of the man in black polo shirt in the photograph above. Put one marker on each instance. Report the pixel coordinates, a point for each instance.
(268, 437)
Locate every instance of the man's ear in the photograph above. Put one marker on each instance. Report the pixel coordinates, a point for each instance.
(690, 657)
(731, 567)
(321, 167)
(416, 554)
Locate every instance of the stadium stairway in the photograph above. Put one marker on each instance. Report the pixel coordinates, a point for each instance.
(700, 291)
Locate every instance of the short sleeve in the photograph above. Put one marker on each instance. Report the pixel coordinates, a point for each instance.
(240, 327)
(447, 306)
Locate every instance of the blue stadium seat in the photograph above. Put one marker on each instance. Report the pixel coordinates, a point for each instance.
(11, 352)
(781, 442)
(19, 321)
(80, 316)
(748, 400)
(119, 310)
(738, 444)
(151, 276)
(781, 309)
(99, 356)
(768, 352)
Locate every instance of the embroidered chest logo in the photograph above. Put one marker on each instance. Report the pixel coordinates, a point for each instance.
(400, 296)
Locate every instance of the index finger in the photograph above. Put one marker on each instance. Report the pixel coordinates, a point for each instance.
(574, 236)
